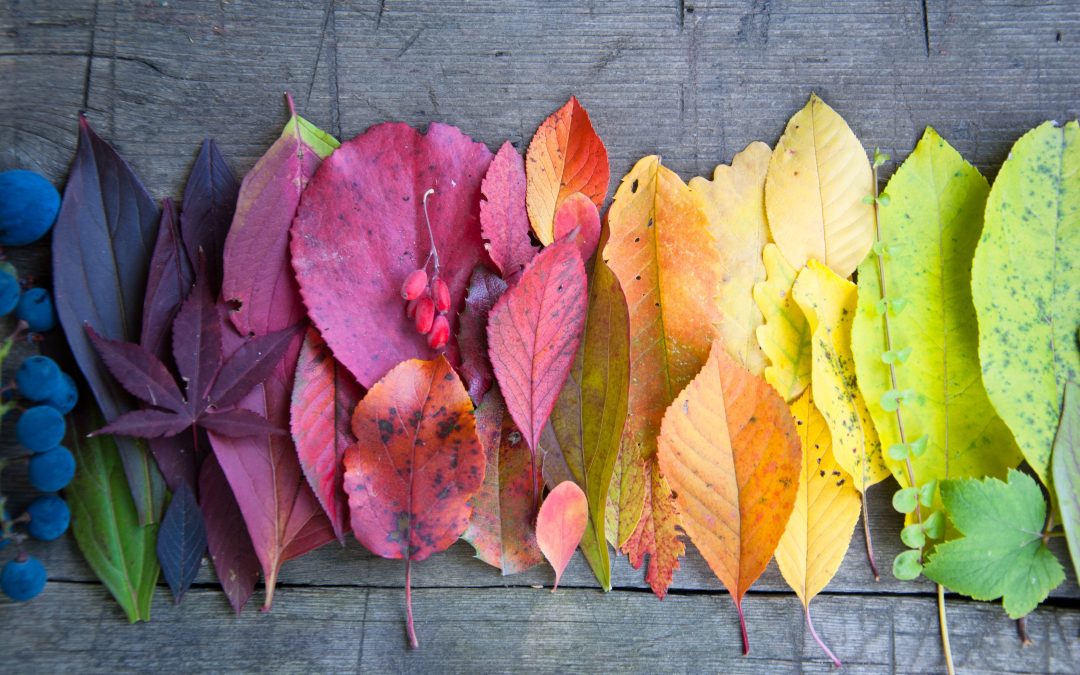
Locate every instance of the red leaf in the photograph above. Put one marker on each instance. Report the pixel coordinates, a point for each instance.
(416, 464)
(533, 335)
(324, 396)
(209, 201)
(360, 230)
(504, 221)
(504, 510)
(578, 216)
(560, 525)
(227, 537)
(485, 287)
(657, 535)
(139, 372)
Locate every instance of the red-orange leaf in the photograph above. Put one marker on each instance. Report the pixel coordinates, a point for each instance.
(416, 464)
(564, 157)
(729, 448)
(656, 535)
(533, 335)
(560, 525)
(504, 222)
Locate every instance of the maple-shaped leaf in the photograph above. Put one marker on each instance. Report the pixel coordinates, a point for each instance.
(504, 221)
(485, 287)
(729, 447)
(416, 464)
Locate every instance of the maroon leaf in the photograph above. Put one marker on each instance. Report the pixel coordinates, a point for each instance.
(250, 364)
(147, 423)
(139, 372)
(238, 423)
(169, 282)
(324, 396)
(209, 202)
(235, 562)
(504, 220)
(361, 230)
(197, 341)
(485, 287)
(533, 335)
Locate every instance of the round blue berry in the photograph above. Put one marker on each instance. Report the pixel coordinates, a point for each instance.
(65, 397)
(52, 470)
(37, 378)
(23, 580)
(36, 309)
(49, 518)
(28, 207)
(9, 292)
(40, 428)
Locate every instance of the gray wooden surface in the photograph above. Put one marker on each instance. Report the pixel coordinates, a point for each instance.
(694, 81)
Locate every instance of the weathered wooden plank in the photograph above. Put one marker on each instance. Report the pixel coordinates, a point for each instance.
(479, 630)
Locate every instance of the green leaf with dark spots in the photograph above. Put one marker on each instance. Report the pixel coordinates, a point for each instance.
(1066, 470)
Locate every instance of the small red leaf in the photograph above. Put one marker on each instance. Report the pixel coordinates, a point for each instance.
(561, 524)
(485, 287)
(504, 221)
(578, 216)
(533, 335)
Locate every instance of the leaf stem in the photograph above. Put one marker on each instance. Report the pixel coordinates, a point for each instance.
(869, 540)
(817, 638)
(1021, 630)
(434, 252)
(413, 642)
(943, 620)
(742, 628)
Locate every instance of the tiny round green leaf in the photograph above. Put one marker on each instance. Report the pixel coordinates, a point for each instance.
(906, 566)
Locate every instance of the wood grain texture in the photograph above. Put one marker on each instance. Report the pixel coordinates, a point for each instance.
(694, 81)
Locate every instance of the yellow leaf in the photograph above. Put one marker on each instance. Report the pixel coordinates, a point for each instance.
(785, 335)
(818, 179)
(735, 206)
(829, 301)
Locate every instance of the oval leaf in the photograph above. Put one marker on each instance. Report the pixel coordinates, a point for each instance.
(560, 524)
(504, 220)
(181, 542)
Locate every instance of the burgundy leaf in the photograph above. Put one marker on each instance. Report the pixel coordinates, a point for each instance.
(169, 282)
(146, 424)
(197, 341)
(176, 459)
(139, 372)
(209, 203)
(504, 220)
(485, 287)
(235, 562)
(237, 423)
(250, 364)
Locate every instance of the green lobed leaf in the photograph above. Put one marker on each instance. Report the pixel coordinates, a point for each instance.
(1065, 470)
(1001, 553)
(930, 227)
(1026, 286)
(119, 550)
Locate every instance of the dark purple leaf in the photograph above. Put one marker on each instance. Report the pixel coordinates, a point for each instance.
(249, 365)
(235, 562)
(238, 423)
(140, 372)
(146, 424)
(169, 283)
(176, 459)
(181, 542)
(101, 248)
(209, 204)
(197, 341)
(485, 287)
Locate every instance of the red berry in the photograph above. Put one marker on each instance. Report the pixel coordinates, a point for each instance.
(410, 308)
(442, 295)
(440, 332)
(425, 315)
(414, 285)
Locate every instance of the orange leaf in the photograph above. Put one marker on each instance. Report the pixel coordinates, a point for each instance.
(560, 525)
(730, 450)
(565, 156)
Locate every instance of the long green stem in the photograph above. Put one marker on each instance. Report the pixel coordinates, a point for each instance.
(944, 622)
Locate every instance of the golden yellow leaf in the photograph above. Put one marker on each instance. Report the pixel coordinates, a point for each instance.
(785, 335)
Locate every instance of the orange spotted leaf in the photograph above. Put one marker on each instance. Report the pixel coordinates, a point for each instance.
(561, 524)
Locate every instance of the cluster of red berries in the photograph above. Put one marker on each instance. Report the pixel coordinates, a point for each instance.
(427, 306)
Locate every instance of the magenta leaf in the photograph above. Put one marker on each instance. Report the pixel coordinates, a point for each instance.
(485, 287)
(139, 372)
(181, 542)
(237, 423)
(209, 202)
(504, 219)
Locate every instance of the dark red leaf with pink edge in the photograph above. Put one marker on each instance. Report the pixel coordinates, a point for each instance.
(360, 230)
(416, 463)
(485, 287)
(234, 558)
(207, 209)
(169, 282)
(238, 422)
(253, 362)
(324, 396)
(147, 423)
(533, 335)
(139, 372)
(504, 220)
(197, 341)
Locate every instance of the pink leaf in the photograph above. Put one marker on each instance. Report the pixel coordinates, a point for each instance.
(561, 524)
(578, 216)
(504, 220)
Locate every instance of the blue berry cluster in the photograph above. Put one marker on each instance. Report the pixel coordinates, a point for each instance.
(28, 207)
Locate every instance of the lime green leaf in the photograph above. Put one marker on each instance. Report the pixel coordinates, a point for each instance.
(906, 566)
(1026, 286)
(785, 335)
(931, 228)
(1066, 470)
(1001, 553)
(905, 499)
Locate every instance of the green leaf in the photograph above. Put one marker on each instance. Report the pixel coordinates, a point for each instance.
(587, 421)
(934, 526)
(905, 499)
(1001, 553)
(951, 429)
(906, 566)
(1066, 470)
(913, 536)
(120, 551)
(1026, 286)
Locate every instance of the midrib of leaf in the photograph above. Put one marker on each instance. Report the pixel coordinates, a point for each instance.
(818, 168)
(669, 395)
(944, 323)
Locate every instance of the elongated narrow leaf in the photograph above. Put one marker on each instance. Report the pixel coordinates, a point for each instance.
(105, 521)
(170, 279)
(829, 304)
(140, 372)
(665, 260)
(582, 442)
(254, 361)
(504, 510)
(207, 209)
(923, 332)
(1025, 284)
(101, 248)
(1066, 470)
(565, 156)
(816, 189)
(235, 562)
(324, 396)
(735, 206)
(785, 335)
(504, 220)
(560, 524)
(181, 542)
(533, 334)
(485, 287)
(729, 448)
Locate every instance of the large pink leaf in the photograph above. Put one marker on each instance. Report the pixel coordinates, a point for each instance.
(324, 396)
(504, 221)
(360, 230)
(533, 335)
